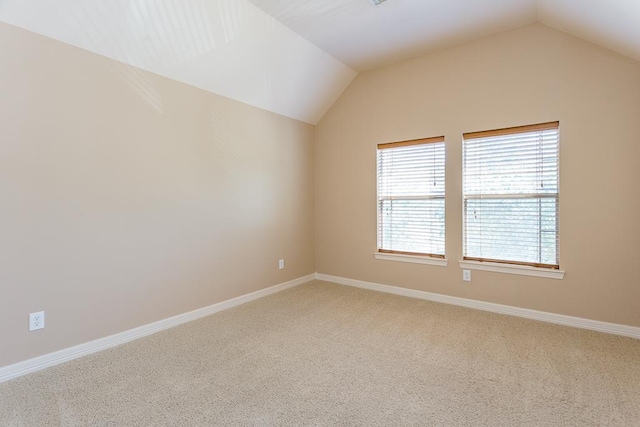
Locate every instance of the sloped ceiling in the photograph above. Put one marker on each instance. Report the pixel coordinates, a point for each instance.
(365, 37)
(295, 57)
(228, 47)
(614, 24)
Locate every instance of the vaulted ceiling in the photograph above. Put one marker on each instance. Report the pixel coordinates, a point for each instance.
(365, 37)
(295, 57)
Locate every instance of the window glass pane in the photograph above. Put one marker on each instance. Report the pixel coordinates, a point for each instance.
(521, 230)
(412, 225)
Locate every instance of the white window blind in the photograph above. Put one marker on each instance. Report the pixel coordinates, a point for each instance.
(411, 197)
(510, 187)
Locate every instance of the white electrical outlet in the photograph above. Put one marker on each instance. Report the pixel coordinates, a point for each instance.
(36, 321)
(466, 275)
(281, 264)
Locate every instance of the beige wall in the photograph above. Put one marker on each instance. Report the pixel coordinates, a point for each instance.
(530, 75)
(127, 198)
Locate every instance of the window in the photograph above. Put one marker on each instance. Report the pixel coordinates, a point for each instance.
(510, 187)
(411, 197)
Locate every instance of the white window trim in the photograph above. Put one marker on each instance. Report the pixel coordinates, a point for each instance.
(522, 270)
(415, 259)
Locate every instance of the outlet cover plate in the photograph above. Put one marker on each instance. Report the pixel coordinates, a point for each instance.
(36, 321)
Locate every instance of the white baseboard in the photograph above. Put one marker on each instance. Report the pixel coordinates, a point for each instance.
(67, 354)
(61, 356)
(577, 322)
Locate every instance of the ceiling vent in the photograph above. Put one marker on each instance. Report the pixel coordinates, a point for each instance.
(377, 2)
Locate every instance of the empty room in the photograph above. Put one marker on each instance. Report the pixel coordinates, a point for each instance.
(349, 212)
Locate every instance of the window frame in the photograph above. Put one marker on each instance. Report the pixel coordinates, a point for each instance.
(512, 266)
(408, 256)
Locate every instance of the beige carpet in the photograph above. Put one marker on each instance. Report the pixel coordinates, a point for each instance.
(324, 354)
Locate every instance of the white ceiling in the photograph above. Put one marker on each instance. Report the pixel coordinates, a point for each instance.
(295, 57)
(228, 47)
(614, 24)
(365, 37)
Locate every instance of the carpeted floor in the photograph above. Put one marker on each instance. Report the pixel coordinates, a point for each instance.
(325, 354)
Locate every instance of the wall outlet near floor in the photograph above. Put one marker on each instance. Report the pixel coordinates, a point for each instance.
(466, 275)
(281, 264)
(36, 321)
